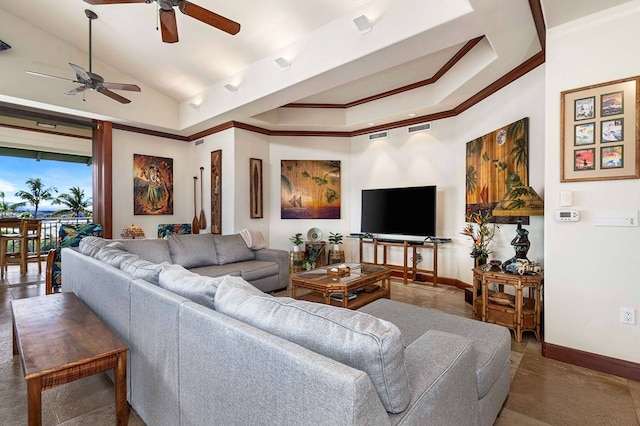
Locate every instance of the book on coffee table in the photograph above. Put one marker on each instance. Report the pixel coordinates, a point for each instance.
(338, 296)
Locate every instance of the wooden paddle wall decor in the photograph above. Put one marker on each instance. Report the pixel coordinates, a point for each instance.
(216, 192)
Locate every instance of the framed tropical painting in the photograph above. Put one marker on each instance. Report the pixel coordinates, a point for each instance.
(494, 163)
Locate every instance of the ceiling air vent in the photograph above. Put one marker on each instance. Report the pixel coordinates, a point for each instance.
(379, 135)
(419, 128)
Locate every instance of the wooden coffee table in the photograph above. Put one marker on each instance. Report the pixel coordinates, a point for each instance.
(366, 282)
(60, 340)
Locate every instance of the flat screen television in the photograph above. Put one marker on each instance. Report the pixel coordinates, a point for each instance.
(403, 211)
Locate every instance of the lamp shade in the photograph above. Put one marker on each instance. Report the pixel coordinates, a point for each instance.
(520, 201)
(132, 231)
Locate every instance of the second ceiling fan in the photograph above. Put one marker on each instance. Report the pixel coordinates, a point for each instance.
(168, 25)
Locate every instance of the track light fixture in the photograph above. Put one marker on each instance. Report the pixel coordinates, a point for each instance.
(363, 24)
(231, 88)
(283, 63)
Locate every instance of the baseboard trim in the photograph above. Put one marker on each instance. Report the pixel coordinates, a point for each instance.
(604, 364)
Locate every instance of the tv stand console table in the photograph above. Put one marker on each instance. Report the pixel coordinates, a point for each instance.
(408, 271)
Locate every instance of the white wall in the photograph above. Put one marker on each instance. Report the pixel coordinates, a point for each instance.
(590, 271)
(201, 157)
(253, 145)
(125, 144)
(437, 157)
(307, 148)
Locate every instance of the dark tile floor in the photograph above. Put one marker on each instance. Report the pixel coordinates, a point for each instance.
(543, 391)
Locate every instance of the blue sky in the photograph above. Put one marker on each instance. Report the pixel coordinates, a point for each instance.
(14, 173)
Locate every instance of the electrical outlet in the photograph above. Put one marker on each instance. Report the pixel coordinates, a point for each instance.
(627, 315)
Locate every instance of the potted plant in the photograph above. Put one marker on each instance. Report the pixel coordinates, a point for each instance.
(481, 234)
(297, 241)
(336, 240)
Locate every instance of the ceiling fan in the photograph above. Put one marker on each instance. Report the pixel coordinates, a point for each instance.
(92, 81)
(168, 25)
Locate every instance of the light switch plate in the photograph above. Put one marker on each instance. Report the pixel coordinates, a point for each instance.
(566, 198)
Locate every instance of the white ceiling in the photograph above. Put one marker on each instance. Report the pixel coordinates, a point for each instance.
(331, 61)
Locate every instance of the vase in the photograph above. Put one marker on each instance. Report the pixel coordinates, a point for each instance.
(479, 261)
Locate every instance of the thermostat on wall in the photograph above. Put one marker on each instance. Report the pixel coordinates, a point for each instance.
(567, 215)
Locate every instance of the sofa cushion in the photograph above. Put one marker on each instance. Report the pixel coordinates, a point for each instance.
(114, 254)
(232, 248)
(192, 251)
(141, 268)
(492, 343)
(154, 250)
(89, 246)
(353, 338)
(197, 288)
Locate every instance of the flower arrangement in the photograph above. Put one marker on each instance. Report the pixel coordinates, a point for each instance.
(479, 230)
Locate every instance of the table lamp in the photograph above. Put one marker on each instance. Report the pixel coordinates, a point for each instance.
(132, 231)
(517, 202)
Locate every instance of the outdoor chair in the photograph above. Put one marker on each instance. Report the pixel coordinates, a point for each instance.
(11, 245)
(69, 235)
(31, 233)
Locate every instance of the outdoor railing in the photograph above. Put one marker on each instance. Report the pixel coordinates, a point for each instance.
(49, 233)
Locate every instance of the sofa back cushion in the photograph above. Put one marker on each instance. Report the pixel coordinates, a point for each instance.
(350, 337)
(154, 250)
(197, 288)
(141, 268)
(232, 248)
(89, 246)
(192, 251)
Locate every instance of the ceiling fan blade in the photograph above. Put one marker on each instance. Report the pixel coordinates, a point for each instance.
(113, 95)
(208, 17)
(168, 26)
(80, 73)
(75, 91)
(50, 76)
(98, 2)
(121, 86)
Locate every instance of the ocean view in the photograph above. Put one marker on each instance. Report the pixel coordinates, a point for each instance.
(15, 171)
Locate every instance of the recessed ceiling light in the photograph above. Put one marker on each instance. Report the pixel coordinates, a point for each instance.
(412, 114)
(231, 88)
(46, 125)
(371, 123)
(363, 24)
(283, 63)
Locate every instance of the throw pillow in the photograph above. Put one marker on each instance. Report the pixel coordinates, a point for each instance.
(253, 239)
(192, 251)
(231, 249)
(353, 338)
(89, 246)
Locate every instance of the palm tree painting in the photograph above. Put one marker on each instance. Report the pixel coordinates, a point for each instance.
(310, 189)
(494, 163)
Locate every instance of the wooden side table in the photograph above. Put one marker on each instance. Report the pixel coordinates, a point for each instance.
(514, 311)
(59, 339)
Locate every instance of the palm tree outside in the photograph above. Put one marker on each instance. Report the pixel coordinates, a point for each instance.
(7, 209)
(37, 193)
(76, 204)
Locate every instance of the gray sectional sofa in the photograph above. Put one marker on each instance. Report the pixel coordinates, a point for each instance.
(219, 351)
